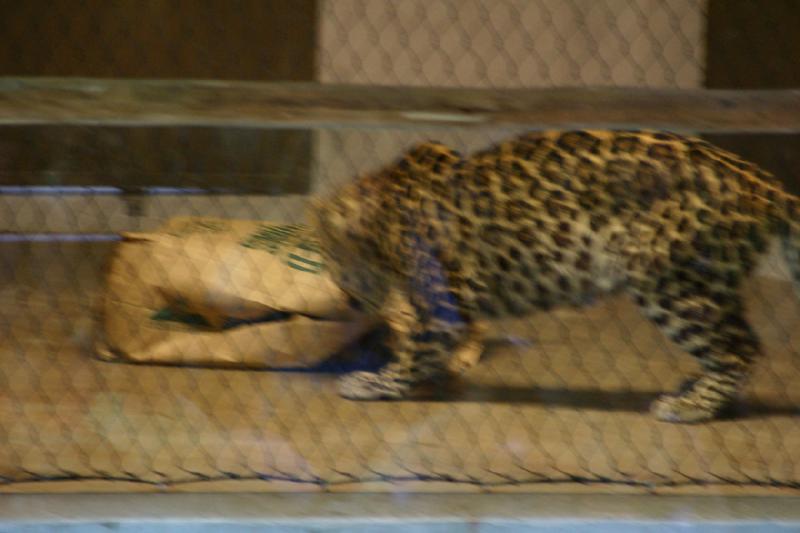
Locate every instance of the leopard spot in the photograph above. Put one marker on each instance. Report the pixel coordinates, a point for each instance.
(625, 144)
(700, 351)
(688, 332)
(661, 319)
(739, 229)
(584, 261)
(552, 207)
(446, 313)
(553, 156)
(525, 151)
(503, 263)
(665, 136)
(542, 291)
(474, 284)
(481, 180)
(484, 206)
(587, 286)
(562, 240)
(526, 236)
(453, 265)
(438, 188)
(535, 190)
(513, 305)
(661, 151)
(492, 234)
(598, 221)
(618, 167)
(551, 174)
(573, 141)
(697, 156)
(486, 307)
(719, 297)
(516, 209)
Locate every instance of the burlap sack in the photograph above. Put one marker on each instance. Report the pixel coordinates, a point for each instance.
(231, 293)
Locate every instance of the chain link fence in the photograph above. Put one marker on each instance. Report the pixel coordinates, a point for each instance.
(513, 43)
(167, 319)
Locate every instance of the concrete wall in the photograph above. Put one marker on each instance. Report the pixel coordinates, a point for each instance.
(495, 43)
(477, 43)
(512, 43)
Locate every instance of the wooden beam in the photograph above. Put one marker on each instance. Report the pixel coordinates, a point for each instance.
(264, 40)
(248, 160)
(71, 101)
(748, 47)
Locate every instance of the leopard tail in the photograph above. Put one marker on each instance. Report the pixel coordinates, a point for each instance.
(790, 236)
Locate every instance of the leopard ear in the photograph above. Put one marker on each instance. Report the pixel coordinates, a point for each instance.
(315, 203)
(315, 211)
(434, 155)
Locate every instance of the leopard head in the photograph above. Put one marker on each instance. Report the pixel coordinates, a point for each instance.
(349, 253)
(358, 227)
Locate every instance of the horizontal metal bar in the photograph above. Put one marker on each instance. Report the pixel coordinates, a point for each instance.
(78, 190)
(59, 237)
(25, 101)
(57, 190)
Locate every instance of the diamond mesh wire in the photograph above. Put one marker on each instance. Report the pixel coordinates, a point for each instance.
(558, 397)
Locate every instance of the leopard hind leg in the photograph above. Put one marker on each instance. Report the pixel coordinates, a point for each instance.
(709, 324)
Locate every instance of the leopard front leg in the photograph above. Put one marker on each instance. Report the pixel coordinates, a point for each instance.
(713, 330)
(421, 347)
(469, 352)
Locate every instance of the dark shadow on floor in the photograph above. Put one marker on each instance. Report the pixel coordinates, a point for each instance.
(371, 354)
(582, 398)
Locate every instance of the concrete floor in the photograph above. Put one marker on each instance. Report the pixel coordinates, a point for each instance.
(566, 412)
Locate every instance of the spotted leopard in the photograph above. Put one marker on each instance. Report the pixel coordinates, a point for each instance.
(437, 242)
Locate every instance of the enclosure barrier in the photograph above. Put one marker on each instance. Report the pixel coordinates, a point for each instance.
(567, 406)
(287, 105)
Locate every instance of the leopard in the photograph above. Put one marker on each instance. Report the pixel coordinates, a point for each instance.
(437, 244)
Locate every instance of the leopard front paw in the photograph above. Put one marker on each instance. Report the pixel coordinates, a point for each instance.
(465, 357)
(680, 409)
(371, 386)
